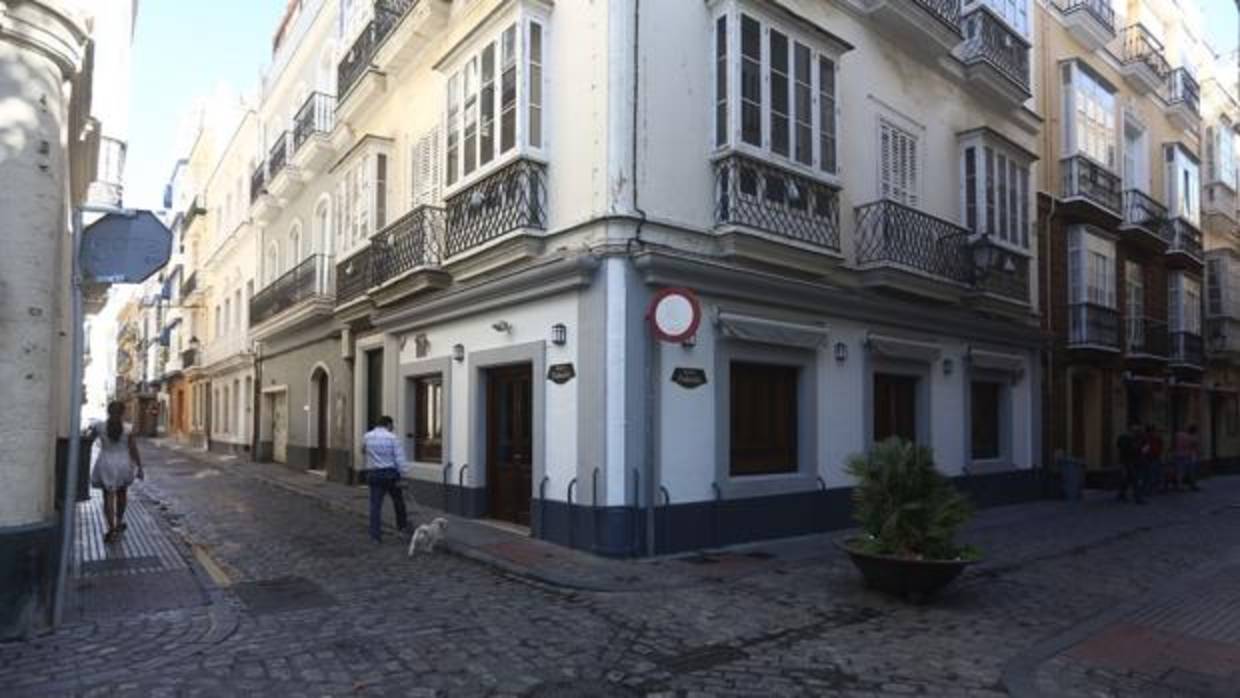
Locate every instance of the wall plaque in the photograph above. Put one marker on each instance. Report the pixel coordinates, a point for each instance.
(560, 373)
(689, 377)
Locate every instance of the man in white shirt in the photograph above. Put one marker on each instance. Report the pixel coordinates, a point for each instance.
(385, 467)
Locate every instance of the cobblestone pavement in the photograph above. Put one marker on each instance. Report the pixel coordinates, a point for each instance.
(302, 604)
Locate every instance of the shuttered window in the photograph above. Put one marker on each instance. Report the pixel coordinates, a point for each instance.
(898, 167)
(426, 173)
(721, 81)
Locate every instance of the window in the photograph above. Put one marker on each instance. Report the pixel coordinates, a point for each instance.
(474, 99)
(897, 172)
(227, 314)
(1134, 287)
(218, 324)
(1014, 12)
(1089, 116)
(237, 309)
(1183, 184)
(362, 204)
(322, 224)
(986, 411)
(1184, 299)
(428, 416)
(426, 169)
(1136, 157)
(1091, 269)
(895, 406)
(997, 175)
(763, 404)
(295, 248)
(786, 90)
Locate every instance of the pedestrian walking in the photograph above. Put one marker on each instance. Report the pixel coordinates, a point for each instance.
(1188, 455)
(1154, 459)
(116, 465)
(385, 468)
(1132, 448)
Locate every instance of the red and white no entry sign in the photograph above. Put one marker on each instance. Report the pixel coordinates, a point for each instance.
(674, 314)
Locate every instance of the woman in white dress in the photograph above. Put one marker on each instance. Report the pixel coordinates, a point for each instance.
(116, 466)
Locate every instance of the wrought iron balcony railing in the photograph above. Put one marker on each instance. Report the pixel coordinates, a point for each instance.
(189, 358)
(387, 14)
(759, 195)
(892, 234)
(413, 241)
(512, 198)
(1009, 279)
(989, 39)
(278, 157)
(1187, 348)
(310, 279)
(1141, 210)
(1093, 325)
(1140, 46)
(1100, 10)
(354, 275)
(1185, 238)
(1183, 89)
(1086, 179)
(1145, 336)
(189, 285)
(317, 115)
(258, 182)
(946, 11)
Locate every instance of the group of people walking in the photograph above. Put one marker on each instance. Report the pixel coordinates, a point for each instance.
(1147, 466)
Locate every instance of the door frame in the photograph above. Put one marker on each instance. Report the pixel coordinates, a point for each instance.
(533, 353)
(266, 432)
(319, 415)
(493, 406)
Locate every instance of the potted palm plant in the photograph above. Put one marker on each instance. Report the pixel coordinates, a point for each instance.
(909, 515)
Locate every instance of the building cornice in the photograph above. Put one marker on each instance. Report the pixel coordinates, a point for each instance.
(50, 28)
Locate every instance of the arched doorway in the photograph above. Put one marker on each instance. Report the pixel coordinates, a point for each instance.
(320, 390)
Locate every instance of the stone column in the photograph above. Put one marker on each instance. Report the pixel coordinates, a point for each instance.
(44, 74)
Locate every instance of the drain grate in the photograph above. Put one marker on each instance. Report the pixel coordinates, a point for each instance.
(581, 689)
(282, 594)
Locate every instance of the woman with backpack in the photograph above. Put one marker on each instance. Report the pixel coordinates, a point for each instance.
(116, 466)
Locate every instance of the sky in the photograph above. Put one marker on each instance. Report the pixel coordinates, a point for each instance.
(1220, 20)
(184, 50)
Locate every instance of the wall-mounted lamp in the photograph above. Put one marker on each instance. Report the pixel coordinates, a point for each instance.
(948, 366)
(841, 352)
(458, 352)
(501, 326)
(559, 334)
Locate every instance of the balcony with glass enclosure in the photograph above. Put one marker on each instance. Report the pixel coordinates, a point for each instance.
(509, 202)
(1183, 100)
(758, 200)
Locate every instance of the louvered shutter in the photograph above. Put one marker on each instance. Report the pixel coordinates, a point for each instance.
(380, 191)
(898, 165)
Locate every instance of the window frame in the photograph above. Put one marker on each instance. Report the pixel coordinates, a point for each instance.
(1179, 163)
(1083, 244)
(1002, 411)
(362, 196)
(1018, 180)
(821, 45)
(1070, 134)
(783, 377)
(525, 22)
(425, 448)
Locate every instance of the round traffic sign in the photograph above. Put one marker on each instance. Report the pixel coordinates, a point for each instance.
(674, 314)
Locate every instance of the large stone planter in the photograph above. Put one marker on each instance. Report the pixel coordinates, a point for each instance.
(914, 580)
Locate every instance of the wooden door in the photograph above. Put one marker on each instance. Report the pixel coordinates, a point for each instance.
(279, 427)
(510, 442)
(319, 461)
(895, 406)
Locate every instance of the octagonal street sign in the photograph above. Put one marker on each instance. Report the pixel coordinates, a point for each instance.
(124, 248)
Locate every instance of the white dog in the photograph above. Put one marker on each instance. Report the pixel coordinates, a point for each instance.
(426, 536)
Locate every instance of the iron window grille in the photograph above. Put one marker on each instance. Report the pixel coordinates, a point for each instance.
(1093, 325)
(513, 198)
(413, 241)
(763, 196)
(1084, 178)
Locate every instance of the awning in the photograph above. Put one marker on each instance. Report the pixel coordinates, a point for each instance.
(995, 361)
(903, 349)
(755, 329)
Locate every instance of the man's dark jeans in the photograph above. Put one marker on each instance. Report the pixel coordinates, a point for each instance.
(382, 482)
(1134, 478)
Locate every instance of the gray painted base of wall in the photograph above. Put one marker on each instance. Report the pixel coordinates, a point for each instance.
(621, 531)
(228, 448)
(339, 462)
(27, 572)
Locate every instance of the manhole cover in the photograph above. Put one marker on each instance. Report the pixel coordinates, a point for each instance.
(582, 689)
(120, 564)
(282, 594)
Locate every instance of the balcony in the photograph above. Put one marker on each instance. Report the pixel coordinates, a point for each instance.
(264, 206)
(1009, 278)
(1093, 327)
(189, 359)
(1187, 349)
(905, 250)
(258, 183)
(1224, 336)
(764, 200)
(1183, 100)
(1185, 248)
(353, 276)
(1091, 191)
(995, 56)
(1218, 201)
(512, 199)
(1092, 22)
(1143, 60)
(405, 256)
(190, 285)
(352, 85)
(1146, 219)
(917, 21)
(1145, 338)
(303, 294)
(312, 126)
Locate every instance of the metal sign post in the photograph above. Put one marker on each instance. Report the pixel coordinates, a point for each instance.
(124, 246)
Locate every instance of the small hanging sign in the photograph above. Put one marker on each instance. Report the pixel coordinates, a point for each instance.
(561, 373)
(689, 378)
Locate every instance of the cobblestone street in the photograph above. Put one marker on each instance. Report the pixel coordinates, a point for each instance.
(294, 600)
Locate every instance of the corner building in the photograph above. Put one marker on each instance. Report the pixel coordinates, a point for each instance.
(462, 201)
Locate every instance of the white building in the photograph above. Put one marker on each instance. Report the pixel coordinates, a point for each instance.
(467, 207)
